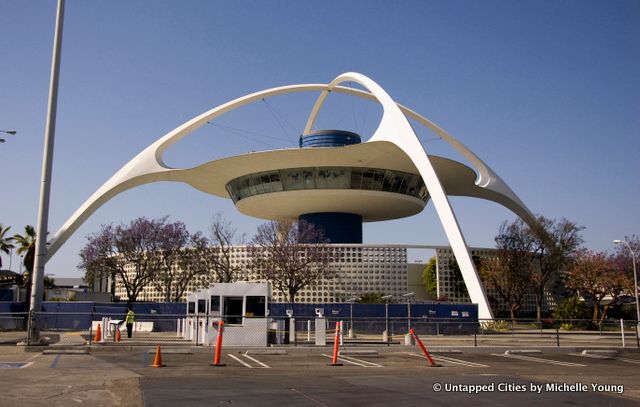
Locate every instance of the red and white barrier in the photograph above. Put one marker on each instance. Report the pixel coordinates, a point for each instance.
(424, 350)
(218, 350)
(336, 346)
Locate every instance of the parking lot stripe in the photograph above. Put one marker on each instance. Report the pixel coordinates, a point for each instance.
(241, 361)
(458, 361)
(539, 360)
(356, 362)
(257, 361)
(361, 361)
(450, 360)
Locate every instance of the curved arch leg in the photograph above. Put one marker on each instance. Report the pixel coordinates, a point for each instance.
(395, 128)
(148, 165)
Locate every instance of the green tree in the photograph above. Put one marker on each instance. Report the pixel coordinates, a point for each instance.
(26, 245)
(370, 298)
(572, 308)
(555, 244)
(596, 276)
(5, 241)
(430, 277)
(509, 271)
(49, 282)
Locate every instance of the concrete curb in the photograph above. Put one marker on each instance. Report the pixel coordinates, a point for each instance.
(600, 352)
(521, 351)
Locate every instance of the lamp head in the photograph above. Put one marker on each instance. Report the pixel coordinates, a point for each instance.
(617, 241)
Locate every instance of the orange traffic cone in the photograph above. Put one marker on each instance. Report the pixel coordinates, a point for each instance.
(98, 336)
(157, 362)
(118, 335)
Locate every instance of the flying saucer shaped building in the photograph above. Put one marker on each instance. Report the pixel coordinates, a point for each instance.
(333, 179)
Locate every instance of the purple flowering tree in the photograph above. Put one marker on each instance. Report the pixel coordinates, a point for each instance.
(143, 252)
(291, 255)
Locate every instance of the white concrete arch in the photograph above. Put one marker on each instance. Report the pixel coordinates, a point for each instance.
(148, 166)
(395, 128)
(487, 178)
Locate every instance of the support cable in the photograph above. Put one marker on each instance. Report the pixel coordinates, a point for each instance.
(280, 119)
(241, 134)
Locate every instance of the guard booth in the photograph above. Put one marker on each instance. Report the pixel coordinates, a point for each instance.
(244, 308)
(195, 325)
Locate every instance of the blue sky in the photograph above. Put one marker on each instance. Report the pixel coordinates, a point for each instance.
(546, 92)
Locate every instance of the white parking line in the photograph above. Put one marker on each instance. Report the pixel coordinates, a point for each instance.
(458, 361)
(257, 361)
(606, 357)
(262, 365)
(354, 361)
(449, 359)
(241, 361)
(371, 364)
(539, 360)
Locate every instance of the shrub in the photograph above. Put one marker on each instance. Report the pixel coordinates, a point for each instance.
(572, 308)
(497, 325)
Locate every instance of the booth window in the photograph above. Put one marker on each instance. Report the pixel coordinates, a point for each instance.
(215, 303)
(191, 308)
(233, 310)
(202, 306)
(255, 306)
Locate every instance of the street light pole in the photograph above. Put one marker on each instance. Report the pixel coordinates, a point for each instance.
(386, 299)
(33, 335)
(351, 301)
(408, 297)
(635, 276)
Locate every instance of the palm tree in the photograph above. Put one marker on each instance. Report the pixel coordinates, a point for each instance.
(27, 245)
(5, 241)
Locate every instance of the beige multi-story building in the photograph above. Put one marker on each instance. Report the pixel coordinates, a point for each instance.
(451, 287)
(360, 269)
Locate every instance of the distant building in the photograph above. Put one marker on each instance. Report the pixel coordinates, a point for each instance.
(65, 289)
(452, 288)
(364, 269)
(361, 269)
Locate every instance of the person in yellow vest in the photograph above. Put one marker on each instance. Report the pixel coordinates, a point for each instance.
(129, 320)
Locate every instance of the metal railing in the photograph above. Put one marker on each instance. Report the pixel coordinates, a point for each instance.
(79, 329)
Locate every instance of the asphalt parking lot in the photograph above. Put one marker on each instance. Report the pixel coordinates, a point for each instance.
(303, 376)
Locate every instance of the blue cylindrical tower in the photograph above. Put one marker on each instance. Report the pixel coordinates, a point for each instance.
(338, 227)
(329, 138)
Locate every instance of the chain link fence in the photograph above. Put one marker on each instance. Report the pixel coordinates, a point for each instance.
(80, 329)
